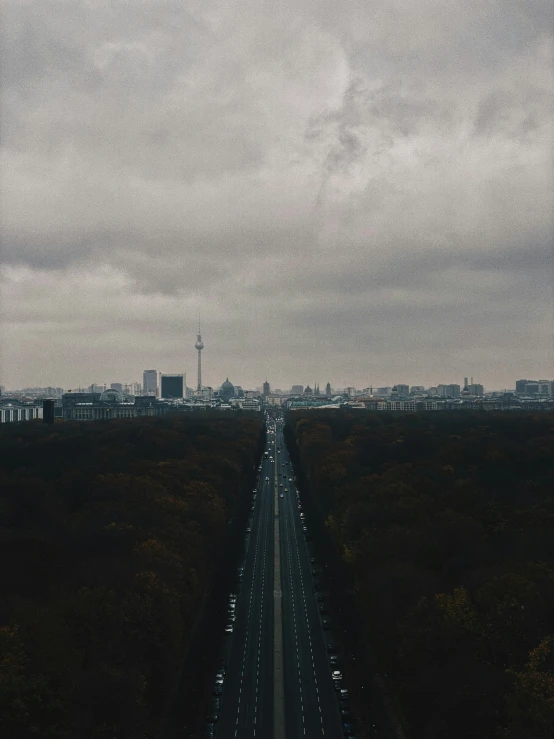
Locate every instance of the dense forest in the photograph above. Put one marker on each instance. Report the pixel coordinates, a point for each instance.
(444, 524)
(110, 534)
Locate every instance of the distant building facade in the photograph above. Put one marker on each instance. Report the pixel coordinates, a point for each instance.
(14, 411)
(172, 386)
(150, 382)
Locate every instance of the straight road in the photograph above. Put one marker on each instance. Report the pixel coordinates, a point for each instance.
(247, 701)
(311, 704)
(278, 680)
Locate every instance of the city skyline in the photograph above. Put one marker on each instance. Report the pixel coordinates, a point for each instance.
(357, 193)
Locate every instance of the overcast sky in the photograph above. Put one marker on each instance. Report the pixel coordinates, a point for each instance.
(356, 191)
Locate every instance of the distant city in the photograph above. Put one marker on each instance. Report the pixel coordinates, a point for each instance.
(161, 393)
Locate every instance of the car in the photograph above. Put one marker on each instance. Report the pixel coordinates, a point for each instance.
(323, 609)
(281, 485)
(248, 529)
(345, 714)
(210, 731)
(336, 685)
(252, 507)
(302, 515)
(229, 628)
(290, 479)
(344, 694)
(233, 596)
(286, 490)
(217, 689)
(348, 729)
(231, 618)
(281, 496)
(305, 529)
(333, 660)
(255, 490)
(320, 597)
(312, 560)
(267, 479)
(331, 649)
(213, 716)
(336, 675)
(219, 678)
(278, 451)
(325, 623)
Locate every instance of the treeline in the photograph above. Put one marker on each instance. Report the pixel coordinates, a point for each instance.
(110, 534)
(445, 524)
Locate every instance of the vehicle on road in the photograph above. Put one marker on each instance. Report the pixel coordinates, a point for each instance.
(337, 685)
(229, 628)
(325, 623)
(267, 479)
(248, 529)
(281, 496)
(337, 675)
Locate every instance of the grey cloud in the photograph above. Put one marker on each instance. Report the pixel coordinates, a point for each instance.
(335, 187)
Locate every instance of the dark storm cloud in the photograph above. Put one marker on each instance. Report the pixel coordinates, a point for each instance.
(335, 187)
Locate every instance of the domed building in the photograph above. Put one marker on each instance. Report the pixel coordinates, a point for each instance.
(227, 391)
(111, 396)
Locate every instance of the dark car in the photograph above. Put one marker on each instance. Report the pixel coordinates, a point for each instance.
(312, 560)
(210, 731)
(217, 689)
(336, 685)
(333, 660)
(345, 714)
(320, 597)
(323, 609)
(331, 649)
(348, 729)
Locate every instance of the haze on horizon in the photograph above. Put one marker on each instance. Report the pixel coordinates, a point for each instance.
(355, 192)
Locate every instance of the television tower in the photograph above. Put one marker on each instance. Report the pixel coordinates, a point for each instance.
(199, 346)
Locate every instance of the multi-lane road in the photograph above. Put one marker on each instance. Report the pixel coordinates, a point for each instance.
(276, 677)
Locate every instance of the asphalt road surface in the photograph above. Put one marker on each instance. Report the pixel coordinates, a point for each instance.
(274, 691)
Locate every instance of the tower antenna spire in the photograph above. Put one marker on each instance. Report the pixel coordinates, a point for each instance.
(199, 346)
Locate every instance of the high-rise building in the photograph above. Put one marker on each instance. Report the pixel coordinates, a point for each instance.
(172, 386)
(328, 390)
(266, 389)
(520, 386)
(402, 389)
(199, 346)
(150, 382)
(116, 386)
(448, 391)
(475, 389)
(297, 389)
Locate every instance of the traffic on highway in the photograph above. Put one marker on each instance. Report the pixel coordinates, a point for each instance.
(279, 674)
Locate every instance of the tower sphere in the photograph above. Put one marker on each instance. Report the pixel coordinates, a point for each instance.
(199, 344)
